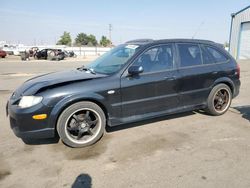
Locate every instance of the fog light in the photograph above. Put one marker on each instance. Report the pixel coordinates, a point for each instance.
(39, 116)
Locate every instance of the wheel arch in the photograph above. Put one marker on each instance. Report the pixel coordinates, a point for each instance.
(227, 81)
(65, 103)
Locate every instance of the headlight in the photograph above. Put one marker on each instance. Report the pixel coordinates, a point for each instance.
(28, 101)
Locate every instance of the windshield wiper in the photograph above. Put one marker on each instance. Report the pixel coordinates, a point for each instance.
(86, 69)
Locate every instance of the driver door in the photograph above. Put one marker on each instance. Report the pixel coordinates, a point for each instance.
(154, 91)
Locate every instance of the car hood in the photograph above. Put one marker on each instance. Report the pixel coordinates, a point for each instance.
(36, 84)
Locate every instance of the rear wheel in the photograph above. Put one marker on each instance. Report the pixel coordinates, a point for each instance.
(81, 124)
(219, 100)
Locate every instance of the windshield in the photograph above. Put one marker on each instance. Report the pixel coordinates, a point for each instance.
(113, 60)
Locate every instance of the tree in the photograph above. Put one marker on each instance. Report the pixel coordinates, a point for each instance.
(105, 41)
(226, 44)
(92, 40)
(81, 39)
(65, 39)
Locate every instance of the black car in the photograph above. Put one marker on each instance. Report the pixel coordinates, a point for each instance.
(138, 80)
(49, 54)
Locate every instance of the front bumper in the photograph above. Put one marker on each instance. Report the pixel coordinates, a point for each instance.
(24, 126)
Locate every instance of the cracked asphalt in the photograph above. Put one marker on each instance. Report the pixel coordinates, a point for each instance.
(184, 150)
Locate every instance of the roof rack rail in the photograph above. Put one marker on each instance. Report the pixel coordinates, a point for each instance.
(204, 40)
(140, 41)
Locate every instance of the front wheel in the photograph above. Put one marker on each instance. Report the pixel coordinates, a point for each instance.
(81, 124)
(219, 100)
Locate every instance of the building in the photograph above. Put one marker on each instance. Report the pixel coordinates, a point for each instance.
(239, 42)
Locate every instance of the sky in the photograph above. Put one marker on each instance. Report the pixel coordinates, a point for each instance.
(43, 22)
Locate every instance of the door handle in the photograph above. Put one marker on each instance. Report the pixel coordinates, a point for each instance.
(215, 72)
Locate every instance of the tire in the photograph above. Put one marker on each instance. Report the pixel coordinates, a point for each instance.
(212, 102)
(35, 56)
(76, 115)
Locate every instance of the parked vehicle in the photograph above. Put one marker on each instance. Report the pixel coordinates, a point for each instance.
(135, 81)
(3, 54)
(72, 54)
(42, 54)
(25, 55)
(50, 54)
(69, 54)
(33, 51)
(56, 55)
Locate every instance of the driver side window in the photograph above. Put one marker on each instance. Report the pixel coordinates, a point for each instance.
(156, 59)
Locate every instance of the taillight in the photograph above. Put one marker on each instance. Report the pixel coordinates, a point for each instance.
(238, 70)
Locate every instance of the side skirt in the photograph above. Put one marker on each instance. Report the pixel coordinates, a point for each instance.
(119, 121)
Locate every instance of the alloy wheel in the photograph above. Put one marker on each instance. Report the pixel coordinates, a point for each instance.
(83, 125)
(221, 100)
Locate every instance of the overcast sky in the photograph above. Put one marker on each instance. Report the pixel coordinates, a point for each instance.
(29, 21)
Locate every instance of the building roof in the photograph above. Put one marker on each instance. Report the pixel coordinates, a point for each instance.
(234, 14)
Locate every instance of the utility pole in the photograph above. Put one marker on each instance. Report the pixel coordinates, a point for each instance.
(110, 30)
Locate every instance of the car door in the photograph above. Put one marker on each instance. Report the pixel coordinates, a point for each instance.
(197, 74)
(154, 91)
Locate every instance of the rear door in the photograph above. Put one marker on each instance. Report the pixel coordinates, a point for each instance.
(198, 73)
(155, 90)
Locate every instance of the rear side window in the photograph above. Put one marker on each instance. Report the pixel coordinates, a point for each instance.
(190, 55)
(217, 55)
(207, 58)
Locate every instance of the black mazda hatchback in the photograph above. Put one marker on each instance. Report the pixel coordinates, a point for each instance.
(138, 80)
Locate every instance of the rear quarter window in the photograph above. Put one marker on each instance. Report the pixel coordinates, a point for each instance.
(218, 56)
(206, 57)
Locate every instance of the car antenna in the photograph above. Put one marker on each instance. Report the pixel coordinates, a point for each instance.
(198, 29)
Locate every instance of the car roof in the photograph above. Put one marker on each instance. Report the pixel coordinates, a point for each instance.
(151, 41)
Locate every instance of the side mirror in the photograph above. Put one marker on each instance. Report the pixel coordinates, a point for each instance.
(135, 70)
